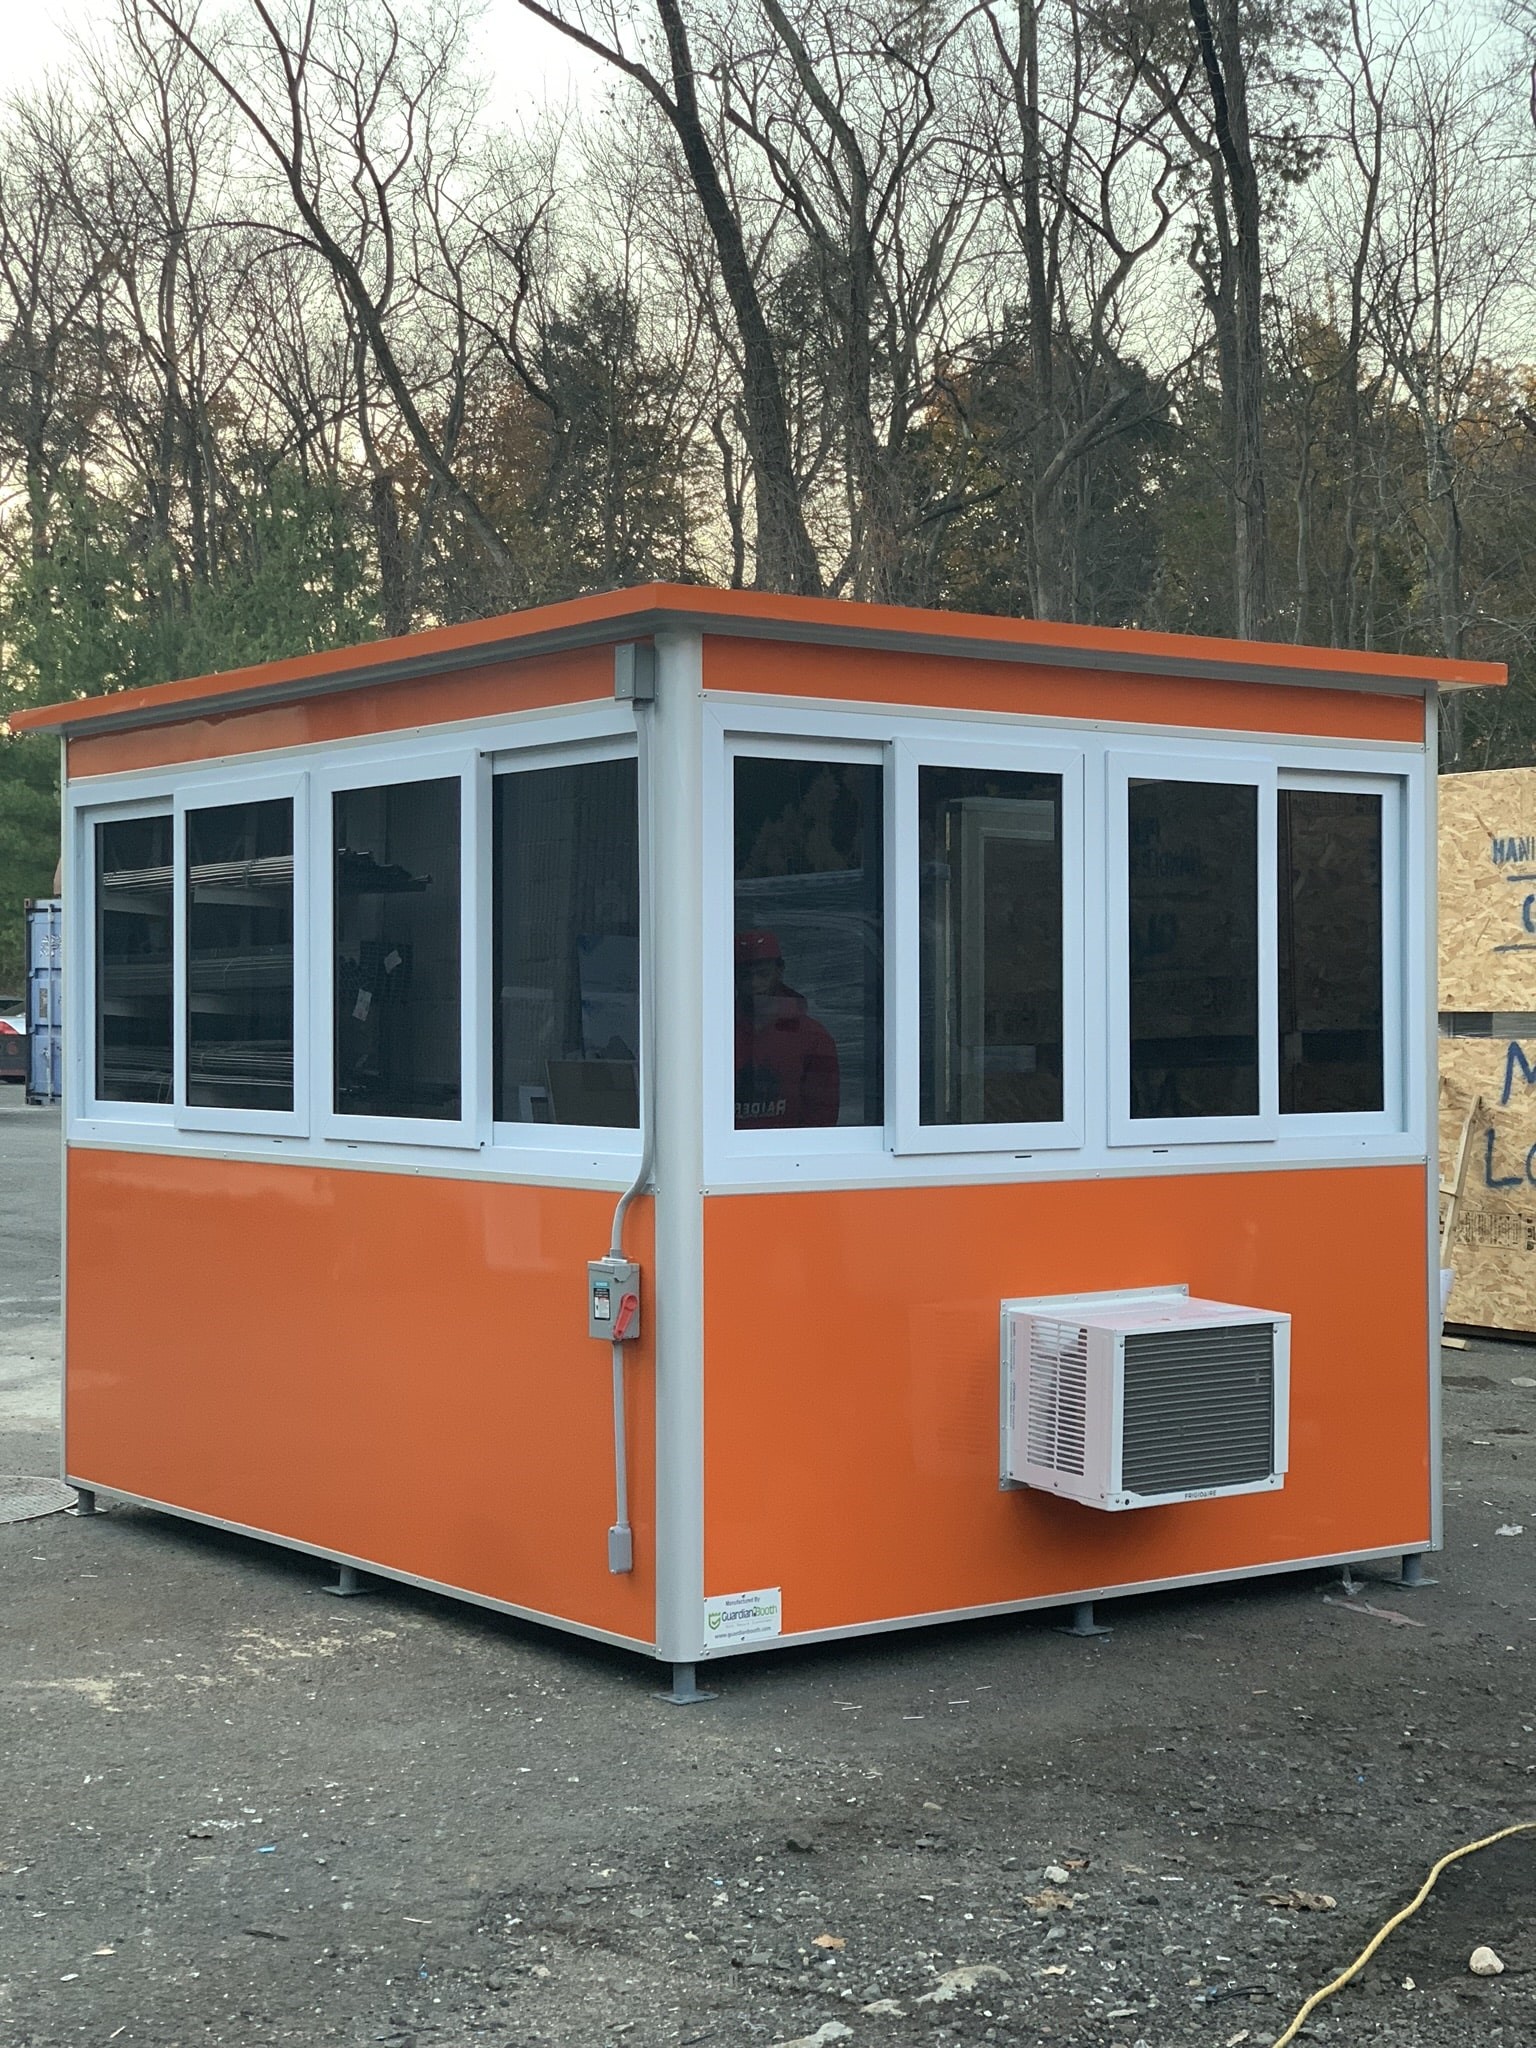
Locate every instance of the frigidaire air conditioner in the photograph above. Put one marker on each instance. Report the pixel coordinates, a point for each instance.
(1136, 1399)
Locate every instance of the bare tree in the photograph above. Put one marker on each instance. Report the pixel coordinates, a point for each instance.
(156, 150)
(1521, 17)
(1081, 164)
(1364, 131)
(1456, 232)
(49, 279)
(338, 104)
(1236, 82)
(946, 306)
(786, 559)
(1238, 294)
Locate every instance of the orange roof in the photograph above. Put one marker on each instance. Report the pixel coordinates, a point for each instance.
(681, 607)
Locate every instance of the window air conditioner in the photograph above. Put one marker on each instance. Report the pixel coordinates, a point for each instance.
(1132, 1400)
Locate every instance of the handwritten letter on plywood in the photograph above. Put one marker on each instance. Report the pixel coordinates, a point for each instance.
(1493, 1246)
(1488, 891)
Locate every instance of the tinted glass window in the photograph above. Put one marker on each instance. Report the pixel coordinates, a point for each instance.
(397, 950)
(1194, 949)
(240, 956)
(1329, 895)
(990, 853)
(567, 945)
(133, 960)
(809, 949)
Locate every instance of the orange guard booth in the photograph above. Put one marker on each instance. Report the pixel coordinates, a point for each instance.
(714, 1120)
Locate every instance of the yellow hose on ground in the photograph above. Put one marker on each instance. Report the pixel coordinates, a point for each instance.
(1521, 1827)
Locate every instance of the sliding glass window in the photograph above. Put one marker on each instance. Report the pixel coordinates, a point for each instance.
(239, 952)
(808, 946)
(1263, 948)
(397, 950)
(991, 938)
(1331, 967)
(1193, 939)
(135, 905)
(566, 924)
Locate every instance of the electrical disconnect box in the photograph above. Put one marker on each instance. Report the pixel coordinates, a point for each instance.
(613, 1300)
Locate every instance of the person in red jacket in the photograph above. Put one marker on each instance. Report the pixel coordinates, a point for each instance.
(786, 1063)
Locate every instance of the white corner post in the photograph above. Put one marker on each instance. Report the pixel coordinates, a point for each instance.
(72, 1030)
(1430, 999)
(677, 797)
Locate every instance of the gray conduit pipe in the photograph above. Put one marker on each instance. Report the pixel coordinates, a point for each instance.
(621, 1543)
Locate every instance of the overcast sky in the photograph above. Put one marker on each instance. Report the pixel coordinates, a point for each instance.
(523, 58)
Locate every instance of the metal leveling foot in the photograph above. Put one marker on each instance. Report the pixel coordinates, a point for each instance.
(85, 1500)
(1413, 1572)
(1082, 1622)
(349, 1583)
(684, 1693)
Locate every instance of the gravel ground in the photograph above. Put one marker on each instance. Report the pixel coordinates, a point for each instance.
(29, 1284)
(233, 1811)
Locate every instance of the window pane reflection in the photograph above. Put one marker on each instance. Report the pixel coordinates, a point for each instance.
(809, 950)
(990, 852)
(1194, 949)
(1329, 892)
(133, 960)
(397, 950)
(567, 945)
(240, 956)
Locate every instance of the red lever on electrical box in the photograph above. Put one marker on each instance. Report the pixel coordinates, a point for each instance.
(629, 1309)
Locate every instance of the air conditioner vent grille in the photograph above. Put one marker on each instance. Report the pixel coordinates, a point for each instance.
(1199, 1408)
(1056, 1421)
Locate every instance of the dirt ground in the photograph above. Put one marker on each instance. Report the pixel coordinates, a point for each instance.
(234, 1811)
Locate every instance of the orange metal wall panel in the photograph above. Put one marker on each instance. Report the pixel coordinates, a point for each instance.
(865, 675)
(378, 1363)
(851, 1420)
(544, 680)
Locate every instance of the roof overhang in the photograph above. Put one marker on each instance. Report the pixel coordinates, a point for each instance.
(654, 609)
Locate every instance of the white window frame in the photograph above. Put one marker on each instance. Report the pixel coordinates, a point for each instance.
(215, 793)
(389, 768)
(470, 750)
(1209, 765)
(904, 890)
(852, 1156)
(1397, 793)
(538, 1140)
(837, 743)
(97, 1108)
(1096, 870)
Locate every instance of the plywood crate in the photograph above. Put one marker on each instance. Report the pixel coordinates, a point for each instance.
(1488, 891)
(1493, 1246)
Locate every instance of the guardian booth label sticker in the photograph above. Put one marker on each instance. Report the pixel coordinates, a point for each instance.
(744, 1617)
